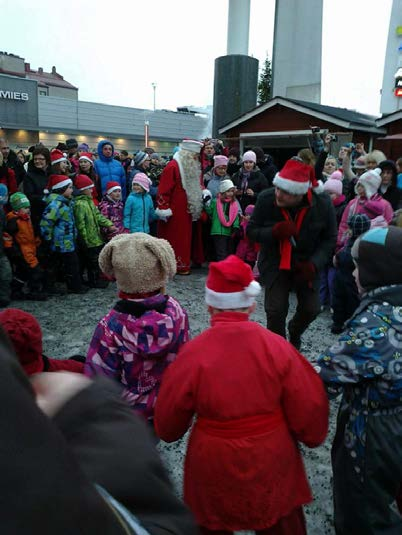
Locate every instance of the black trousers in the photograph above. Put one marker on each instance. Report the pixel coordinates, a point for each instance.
(277, 304)
(70, 268)
(224, 246)
(88, 258)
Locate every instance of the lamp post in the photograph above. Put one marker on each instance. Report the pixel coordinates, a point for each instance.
(154, 88)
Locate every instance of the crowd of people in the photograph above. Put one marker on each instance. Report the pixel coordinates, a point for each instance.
(324, 227)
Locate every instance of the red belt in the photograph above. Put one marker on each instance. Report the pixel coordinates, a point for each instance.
(241, 427)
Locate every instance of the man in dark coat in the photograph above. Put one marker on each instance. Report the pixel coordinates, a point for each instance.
(11, 161)
(296, 227)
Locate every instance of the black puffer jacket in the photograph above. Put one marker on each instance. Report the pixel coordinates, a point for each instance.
(34, 183)
(316, 240)
(257, 182)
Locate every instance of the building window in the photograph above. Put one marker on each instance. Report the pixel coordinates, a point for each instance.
(44, 93)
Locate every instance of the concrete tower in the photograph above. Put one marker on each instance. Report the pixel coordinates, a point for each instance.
(392, 80)
(296, 61)
(236, 74)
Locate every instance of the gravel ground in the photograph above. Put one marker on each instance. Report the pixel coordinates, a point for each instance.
(69, 321)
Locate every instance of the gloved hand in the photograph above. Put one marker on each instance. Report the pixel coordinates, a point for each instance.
(283, 230)
(305, 271)
(206, 196)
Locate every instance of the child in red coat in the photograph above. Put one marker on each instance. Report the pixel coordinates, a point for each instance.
(25, 335)
(255, 397)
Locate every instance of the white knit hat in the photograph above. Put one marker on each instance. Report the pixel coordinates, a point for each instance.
(225, 185)
(371, 181)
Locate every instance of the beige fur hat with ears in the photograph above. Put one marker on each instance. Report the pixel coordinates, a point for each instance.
(139, 262)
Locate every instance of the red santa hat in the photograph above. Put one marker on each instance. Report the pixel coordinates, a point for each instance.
(191, 145)
(57, 182)
(86, 156)
(230, 284)
(112, 186)
(296, 178)
(56, 156)
(83, 182)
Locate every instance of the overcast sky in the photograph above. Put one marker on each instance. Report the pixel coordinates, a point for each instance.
(113, 51)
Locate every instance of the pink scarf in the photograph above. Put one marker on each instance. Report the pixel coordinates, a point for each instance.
(233, 211)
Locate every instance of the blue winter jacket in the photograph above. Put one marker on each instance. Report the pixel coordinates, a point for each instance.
(57, 225)
(109, 169)
(139, 212)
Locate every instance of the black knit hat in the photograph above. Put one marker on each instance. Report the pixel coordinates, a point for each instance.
(358, 224)
(378, 254)
(71, 143)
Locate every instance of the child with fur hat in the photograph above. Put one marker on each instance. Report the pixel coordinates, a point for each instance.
(111, 206)
(59, 232)
(22, 251)
(367, 201)
(139, 338)
(5, 268)
(224, 212)
(89, 222)
(365, 367)
(243, 468)
(139, 209)
(25, 335)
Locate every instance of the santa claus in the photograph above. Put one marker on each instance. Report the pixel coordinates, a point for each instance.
(179, 200)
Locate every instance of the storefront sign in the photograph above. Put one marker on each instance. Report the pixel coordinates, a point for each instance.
(13, 95)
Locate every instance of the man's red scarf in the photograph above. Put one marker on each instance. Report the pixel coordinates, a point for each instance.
(285, 246)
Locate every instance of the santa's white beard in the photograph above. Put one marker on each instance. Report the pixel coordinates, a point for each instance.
(190, 171)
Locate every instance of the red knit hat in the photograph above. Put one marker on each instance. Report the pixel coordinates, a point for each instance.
(83, 182)
(57, 182)
(230, 284)
(86, 156)
(296, 177)
(112, 186)
(56, 156)
(25, 335)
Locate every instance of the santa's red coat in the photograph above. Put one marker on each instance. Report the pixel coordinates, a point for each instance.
(177, 230)
(255, 396)
(180, 231)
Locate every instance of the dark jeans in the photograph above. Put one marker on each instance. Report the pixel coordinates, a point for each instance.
(224, 246)
(89, 260)
(70, 268)
(345, 298)
(327, 276)
(277, 304)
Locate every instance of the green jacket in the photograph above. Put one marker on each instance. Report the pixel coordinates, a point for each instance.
(89, 221)
(217, 228)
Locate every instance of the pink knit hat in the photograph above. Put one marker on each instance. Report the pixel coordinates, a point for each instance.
(249, 156)
(220, 160)
(334, 183)
(142, 180)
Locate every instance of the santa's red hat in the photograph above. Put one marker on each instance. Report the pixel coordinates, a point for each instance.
(83, 182)
(86, 156)
(112, 186)
(296, 178)
(56, 156)
(230, 284)
(57, 182)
